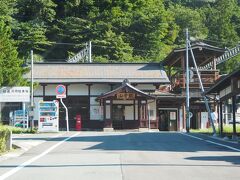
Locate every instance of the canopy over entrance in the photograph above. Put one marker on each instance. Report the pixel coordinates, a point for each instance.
(126, 107)
(125, 92)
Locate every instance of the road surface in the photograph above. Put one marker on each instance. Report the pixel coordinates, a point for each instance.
(124, 156)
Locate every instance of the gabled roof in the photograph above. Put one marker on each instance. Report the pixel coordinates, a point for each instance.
(98, 73)
(204, 53)
(125, 87)
(223, 82)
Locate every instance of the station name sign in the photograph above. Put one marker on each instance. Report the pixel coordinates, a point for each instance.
(15, 94)
(126, 96)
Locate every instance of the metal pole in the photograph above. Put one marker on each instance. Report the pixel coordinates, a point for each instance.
(32, 89)
(234, 136)
(187, 85)
(202, 89)
(90, 52)
(149, 124)
(221, 118)
(66, 114)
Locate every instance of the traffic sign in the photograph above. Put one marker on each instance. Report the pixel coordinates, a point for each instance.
(61, 91)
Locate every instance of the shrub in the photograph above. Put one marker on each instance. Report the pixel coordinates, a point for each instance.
(4, 136)
(227, 130)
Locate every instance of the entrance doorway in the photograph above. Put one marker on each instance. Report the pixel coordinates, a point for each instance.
(118, 116)
(167, 120)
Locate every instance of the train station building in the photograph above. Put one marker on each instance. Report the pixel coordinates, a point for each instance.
(131, 95)
(117, 96)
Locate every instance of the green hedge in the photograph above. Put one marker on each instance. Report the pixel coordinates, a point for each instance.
(4, 136)
(18, 130)
(227, 130)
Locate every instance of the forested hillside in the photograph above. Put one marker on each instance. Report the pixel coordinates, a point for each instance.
(120, 30)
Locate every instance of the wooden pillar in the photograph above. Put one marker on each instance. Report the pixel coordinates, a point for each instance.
(134, 110)
(44, 91)
(104, 110)
(139, 111)
(234, 116)
(89, 100)
(111, 109)
(183, 71)
(221, 118)
(183, 116)
(66, 85)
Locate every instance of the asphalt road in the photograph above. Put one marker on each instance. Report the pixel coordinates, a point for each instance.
(124, 156)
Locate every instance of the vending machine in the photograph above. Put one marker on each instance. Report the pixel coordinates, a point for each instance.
(48, 116)
(19, 118)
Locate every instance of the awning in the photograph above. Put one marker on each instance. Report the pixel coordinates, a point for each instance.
(125, 92)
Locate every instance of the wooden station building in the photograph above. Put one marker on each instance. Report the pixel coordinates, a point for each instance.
(118, 96)
(129, 95)
(228, 91)
(175, 67)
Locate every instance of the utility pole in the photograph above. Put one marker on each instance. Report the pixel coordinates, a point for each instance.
(32, 105)
(203, 91)
(90, 52)
(187, 84)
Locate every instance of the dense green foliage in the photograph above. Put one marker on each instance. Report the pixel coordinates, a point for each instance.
(120, 30)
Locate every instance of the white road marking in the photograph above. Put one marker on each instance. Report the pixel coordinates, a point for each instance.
(18, 168)
(229, 147)
(192, 136)
(219, 144)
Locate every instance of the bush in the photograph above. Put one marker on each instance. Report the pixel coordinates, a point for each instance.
(18, 130)
(4, 136)
(227, 130)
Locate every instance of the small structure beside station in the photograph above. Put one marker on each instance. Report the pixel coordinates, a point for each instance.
(228, 91)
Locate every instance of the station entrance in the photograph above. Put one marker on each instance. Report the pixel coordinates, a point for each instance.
(168, 119)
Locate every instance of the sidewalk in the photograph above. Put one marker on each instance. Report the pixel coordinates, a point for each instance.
(24, 142)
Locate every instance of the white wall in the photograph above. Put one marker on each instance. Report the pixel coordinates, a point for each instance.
(152, 106)
(98, 89)
(129, 113)
(123, 102)
(50, 90)
(78, 89)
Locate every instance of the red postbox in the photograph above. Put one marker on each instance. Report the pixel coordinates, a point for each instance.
(78, 122)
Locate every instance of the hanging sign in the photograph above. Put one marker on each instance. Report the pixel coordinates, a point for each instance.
(126, 96)
(61, 91)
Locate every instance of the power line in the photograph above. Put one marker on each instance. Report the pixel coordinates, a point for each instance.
(95, 45)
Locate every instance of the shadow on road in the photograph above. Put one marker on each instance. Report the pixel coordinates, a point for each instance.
(174, 142)
(231, 159)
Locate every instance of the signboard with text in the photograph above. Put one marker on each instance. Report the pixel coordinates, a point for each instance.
(126, 96)
(15, 94)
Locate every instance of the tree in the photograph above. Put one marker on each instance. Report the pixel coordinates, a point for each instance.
(6, 10)
(223, 23)
(189, 18)
(10, 65)
(35, 10)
